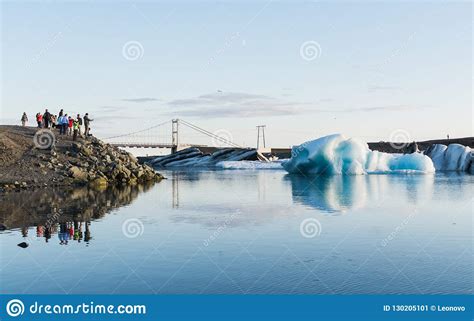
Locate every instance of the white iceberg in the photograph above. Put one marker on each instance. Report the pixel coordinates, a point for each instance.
(336, 154)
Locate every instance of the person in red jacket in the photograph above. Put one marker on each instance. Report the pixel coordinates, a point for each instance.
(69, 127)
(39, 119)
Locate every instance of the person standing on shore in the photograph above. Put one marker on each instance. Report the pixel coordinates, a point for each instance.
(61, 113)
(79, 123)
(53, 121)
(64, 124)
(24, 119)
(59, 124)
(75, 128)
(46, 118)
(87, 121)
(70, 121)
(39, 119)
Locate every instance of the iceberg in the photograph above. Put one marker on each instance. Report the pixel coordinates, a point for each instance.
(454, 157)
(336, 154)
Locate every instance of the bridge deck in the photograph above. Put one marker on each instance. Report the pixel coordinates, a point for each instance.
(144, 145)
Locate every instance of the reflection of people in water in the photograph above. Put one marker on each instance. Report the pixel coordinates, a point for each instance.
(39, 230)
(87, 236)
(71, 230)
(24, 231)
(78, 231)
(47, 233)
(63, 233)
(67, 231)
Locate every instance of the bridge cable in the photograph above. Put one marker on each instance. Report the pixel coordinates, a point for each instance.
(140, 131)
(205, 132)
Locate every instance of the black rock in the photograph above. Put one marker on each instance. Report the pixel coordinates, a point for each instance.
(3, 227)
(23, 245)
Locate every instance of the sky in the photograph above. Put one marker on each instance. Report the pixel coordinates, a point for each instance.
(374, 70)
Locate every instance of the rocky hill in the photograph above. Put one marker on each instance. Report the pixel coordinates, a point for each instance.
(31, 157)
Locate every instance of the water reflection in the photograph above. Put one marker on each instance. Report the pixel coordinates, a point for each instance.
(67, 213)
(250, 223)
(340, 193)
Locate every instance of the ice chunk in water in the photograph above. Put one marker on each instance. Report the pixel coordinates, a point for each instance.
(336, 154)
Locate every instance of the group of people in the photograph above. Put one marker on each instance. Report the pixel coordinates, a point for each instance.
(66, 124)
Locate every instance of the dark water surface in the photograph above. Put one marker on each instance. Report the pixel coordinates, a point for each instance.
(244, 232)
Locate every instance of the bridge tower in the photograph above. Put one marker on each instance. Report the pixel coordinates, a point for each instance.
(174, 135)
(260, 128)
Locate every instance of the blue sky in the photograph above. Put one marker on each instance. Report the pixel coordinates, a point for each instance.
(378, 68)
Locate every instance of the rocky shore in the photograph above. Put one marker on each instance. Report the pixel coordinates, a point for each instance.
(33, 158)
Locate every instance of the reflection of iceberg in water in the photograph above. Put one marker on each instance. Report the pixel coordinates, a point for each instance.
(340, 193)
(329, 193)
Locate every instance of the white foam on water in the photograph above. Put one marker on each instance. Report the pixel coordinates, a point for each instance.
(250, 165)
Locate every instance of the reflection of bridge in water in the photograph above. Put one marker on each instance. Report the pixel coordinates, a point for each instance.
(158, 136)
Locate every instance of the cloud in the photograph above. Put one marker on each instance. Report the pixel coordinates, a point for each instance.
(220, 98)
(140, 100)
(244, 105)
(108, 108)
(373, 89)
(234, 104)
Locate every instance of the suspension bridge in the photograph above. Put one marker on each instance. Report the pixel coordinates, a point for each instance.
(169, 135)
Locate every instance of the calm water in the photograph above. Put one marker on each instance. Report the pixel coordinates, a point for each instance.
(244, 232)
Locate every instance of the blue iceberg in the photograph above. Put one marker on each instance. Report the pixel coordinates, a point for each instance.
(336, 154)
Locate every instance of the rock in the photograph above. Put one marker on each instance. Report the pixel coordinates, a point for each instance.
(77, 173)
(99, 181)
(3, 227)
(23, 245)
(139, 173)
(86, 151)
(77, 147)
